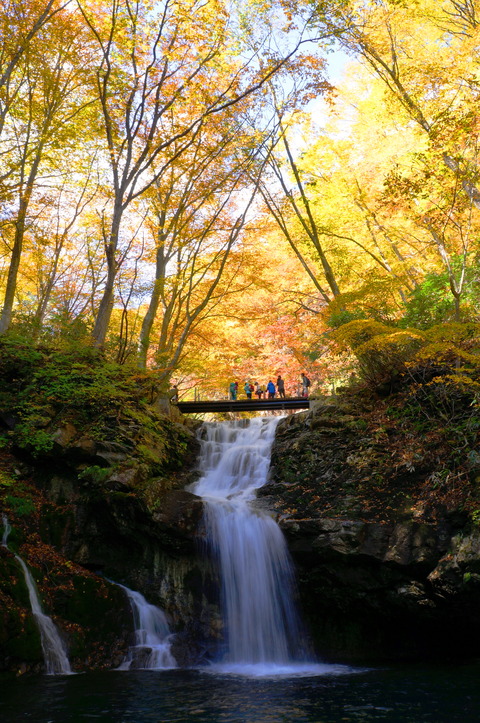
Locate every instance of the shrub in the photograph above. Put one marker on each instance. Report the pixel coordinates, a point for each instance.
(20, 505)
(449, 351)
(382, 351)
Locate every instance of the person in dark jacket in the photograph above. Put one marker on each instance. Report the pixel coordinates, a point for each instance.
(305, 385)
(281, 387)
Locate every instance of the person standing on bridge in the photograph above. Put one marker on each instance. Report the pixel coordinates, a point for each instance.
(258, 390)
(305, 384)
(281, 387)
(233, 391)
(248, 389)
(271, 389)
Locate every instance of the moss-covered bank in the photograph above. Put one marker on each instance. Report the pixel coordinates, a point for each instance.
(92, 473)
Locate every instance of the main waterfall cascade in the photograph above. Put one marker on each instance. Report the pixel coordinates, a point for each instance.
(152, 636)
(263, 632)
(54, 652)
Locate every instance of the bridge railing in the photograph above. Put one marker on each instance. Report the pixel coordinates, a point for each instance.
(242, 405)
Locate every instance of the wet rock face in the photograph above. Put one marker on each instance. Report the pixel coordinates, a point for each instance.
(92, 617)
(381, 575)
(363, 607)
(115, 534)
(179, 517)
(404, 543)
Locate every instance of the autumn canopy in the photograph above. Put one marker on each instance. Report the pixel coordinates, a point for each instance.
(217, 190)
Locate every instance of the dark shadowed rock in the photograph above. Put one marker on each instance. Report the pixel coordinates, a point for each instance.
(63, 436)
(180, 512)
(382, 571)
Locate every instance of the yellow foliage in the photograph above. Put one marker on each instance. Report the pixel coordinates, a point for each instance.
(466, 383)
(454, 332)
(357, 334)
(451, 342)
(384, 352)
(445, 352)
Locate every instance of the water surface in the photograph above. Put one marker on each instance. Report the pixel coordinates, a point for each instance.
(443, 694)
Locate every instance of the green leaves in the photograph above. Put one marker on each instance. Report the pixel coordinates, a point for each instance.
(20, 505)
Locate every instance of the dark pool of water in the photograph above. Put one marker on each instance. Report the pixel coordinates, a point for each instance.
(442, 694)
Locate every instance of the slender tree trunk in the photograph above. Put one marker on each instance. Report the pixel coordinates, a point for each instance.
(6, 317)
(147, 324)
(105, 309)
(458, 315)
(149, 318)
(9, 299)
(456, 287)
(104, 313)
(45, 298)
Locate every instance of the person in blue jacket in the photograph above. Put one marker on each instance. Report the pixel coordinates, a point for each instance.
(271, 389)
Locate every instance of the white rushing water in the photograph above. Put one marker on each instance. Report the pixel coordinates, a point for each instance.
(54, 652)
(6, 531)
(152, 636)
(262, 628)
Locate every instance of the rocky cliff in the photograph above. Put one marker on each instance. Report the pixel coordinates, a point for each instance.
(93, 468)
(381, 522)
(91, 511)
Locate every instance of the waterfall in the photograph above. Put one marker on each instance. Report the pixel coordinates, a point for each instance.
(263, 632)
(54, 653)
(152, 636)
(6, 531)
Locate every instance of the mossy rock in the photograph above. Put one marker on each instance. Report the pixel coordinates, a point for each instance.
(22, 642)
(19, 635)
(100, 620)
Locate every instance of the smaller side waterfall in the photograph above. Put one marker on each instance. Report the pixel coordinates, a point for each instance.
(54, 653)
(6, 531)
(152, 636)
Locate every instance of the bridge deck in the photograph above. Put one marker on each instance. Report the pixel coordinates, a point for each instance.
(243, 405)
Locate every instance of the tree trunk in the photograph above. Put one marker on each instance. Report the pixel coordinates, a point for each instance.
(157, 292)
(104, 313)
(105, 309)
(6, 317)
(147, 324)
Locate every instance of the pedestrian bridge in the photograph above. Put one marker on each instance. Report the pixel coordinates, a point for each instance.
(242, 405)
